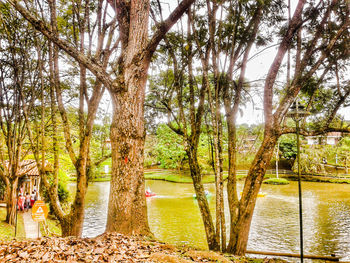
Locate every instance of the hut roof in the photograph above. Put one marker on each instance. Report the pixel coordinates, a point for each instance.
(29, 167)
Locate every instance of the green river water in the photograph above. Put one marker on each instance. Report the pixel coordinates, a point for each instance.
(174, 216)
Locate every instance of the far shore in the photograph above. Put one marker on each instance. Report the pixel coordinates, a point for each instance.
(176, 176)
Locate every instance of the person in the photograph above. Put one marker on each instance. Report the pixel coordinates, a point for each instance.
(32, 199)
(36, 198)
(27, 201)
(21, 200)
(21, 191)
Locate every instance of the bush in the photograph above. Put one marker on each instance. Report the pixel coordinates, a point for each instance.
(63, 193)
(276, 181)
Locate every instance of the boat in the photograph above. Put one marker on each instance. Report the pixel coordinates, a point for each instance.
(206, 192)
(149, 193)
(260, 194)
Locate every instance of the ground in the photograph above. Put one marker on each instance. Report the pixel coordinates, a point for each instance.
(7, 232)
(106, 248)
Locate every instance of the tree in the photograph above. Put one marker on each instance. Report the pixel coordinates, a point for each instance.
(18, 71)
(317, 53)
(127, 204)
(288, 147)
(170, 150)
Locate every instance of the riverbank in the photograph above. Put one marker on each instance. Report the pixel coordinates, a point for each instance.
(174, 176)
(109, 248)
(319, 179)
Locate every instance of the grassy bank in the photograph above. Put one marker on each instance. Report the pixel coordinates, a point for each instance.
(7, 232)
(177, 177)
(318, 179)
(184, 177)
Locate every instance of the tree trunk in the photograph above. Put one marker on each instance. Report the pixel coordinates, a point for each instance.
(240, 230)
(203, 205)
(72, 224)
(11, 201)
(232, 179)
(127, 211)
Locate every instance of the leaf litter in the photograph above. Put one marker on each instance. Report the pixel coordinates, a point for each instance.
(109, 247)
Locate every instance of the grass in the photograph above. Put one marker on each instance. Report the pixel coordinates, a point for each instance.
(50, 227)
(97, 179)
(7, 232)
(21, 234)
(276, 181)
(176, 177)
(340, 181)
(320, 179)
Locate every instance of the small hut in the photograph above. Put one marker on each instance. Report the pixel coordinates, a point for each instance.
(29, 176)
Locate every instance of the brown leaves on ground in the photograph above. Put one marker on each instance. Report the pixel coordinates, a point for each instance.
(206, 255)
(109, 247)
(105, 248)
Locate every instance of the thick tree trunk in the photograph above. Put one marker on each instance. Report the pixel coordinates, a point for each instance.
(240, 230)
(11, 201)
(203, 205)
(127, 211)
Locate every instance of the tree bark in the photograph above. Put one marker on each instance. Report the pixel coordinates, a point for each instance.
(213, 242)
(11, 201)
(240, 228)
(127, 211)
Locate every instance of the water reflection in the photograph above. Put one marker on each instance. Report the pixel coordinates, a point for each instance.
(174, 216)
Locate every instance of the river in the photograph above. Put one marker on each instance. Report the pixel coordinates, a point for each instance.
(174, 216)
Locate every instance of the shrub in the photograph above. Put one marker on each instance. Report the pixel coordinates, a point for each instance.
(276, 181)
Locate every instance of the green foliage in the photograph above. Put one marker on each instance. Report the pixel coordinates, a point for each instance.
(311, 161)
(276, 181)
(150, 150)
(288, 147)
(100, 136)
(63, 193)
(169, 148)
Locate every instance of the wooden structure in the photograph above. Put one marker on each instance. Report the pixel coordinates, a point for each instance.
(28, 169)
(29, 176)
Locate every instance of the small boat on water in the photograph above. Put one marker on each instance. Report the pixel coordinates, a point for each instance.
(149, 193)
(206, 192)
(260, 194)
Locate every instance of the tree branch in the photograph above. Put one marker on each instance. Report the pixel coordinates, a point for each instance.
(165, 26)
(39, 25)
